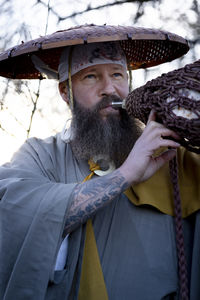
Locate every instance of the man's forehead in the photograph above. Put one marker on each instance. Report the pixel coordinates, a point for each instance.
(96, 68)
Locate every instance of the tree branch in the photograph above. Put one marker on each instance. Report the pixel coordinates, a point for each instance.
(3, 129)
(89, 8)
(34, 109)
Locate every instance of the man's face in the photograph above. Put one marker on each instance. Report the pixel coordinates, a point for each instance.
(92, 84)
(98, 128)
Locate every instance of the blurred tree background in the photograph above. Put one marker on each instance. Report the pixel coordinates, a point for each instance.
(34, 108)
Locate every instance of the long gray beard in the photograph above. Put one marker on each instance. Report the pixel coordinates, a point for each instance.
(112, 138)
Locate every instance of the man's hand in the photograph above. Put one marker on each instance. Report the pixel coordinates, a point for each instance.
(141, 164)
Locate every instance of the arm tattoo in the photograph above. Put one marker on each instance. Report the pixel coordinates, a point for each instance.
(92, 195)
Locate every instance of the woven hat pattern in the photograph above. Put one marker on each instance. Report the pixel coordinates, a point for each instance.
(143, 47)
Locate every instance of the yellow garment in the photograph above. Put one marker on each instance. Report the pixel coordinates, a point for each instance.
(92, 284)
(158, 192)
(93, 167)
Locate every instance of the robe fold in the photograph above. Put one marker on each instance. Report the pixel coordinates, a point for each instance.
(136, 244)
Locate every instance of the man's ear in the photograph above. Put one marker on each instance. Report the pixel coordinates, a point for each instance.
(64, 91)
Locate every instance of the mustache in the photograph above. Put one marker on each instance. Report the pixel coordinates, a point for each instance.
(106, 101)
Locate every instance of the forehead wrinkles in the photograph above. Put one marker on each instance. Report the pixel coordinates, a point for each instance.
(100, 69)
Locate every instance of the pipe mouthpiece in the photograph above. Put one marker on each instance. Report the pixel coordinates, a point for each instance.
(119, 104)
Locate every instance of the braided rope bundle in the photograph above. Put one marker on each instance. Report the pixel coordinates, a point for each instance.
(175, 97)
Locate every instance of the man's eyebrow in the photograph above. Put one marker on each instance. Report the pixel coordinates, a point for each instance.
(118, 67)
(94, 69)
(91, 70)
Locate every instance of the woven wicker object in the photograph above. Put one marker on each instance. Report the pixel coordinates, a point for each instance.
(143, 47)
(175, 96)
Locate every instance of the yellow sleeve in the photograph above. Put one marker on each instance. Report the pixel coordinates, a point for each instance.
(157, 191)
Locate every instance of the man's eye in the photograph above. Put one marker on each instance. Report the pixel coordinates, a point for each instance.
(117, 75)
(89, 76)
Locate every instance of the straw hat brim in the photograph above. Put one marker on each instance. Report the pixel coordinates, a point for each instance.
(143, 47)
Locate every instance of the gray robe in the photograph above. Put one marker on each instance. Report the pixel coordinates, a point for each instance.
(136, 245)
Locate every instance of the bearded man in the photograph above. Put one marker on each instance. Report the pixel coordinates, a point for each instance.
(82, 208)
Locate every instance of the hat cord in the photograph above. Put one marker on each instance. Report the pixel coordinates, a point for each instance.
(71, 98)
(182, 264)
(130, 80)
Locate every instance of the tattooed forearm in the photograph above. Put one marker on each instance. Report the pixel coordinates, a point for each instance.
(92, 195)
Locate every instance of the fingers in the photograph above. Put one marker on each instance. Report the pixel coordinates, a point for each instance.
(163, 137)
(152, 116)
(167, 143)
(159, 129)
(146, 158)
(163, 133)
(154, 129)
(143, 158)
(166, 156)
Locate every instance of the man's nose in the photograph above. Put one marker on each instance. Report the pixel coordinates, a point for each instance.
(107, 87)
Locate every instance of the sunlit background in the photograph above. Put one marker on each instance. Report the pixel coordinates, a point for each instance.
(33, 108)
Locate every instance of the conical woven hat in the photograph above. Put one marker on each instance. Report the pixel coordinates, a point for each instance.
(143, 48)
